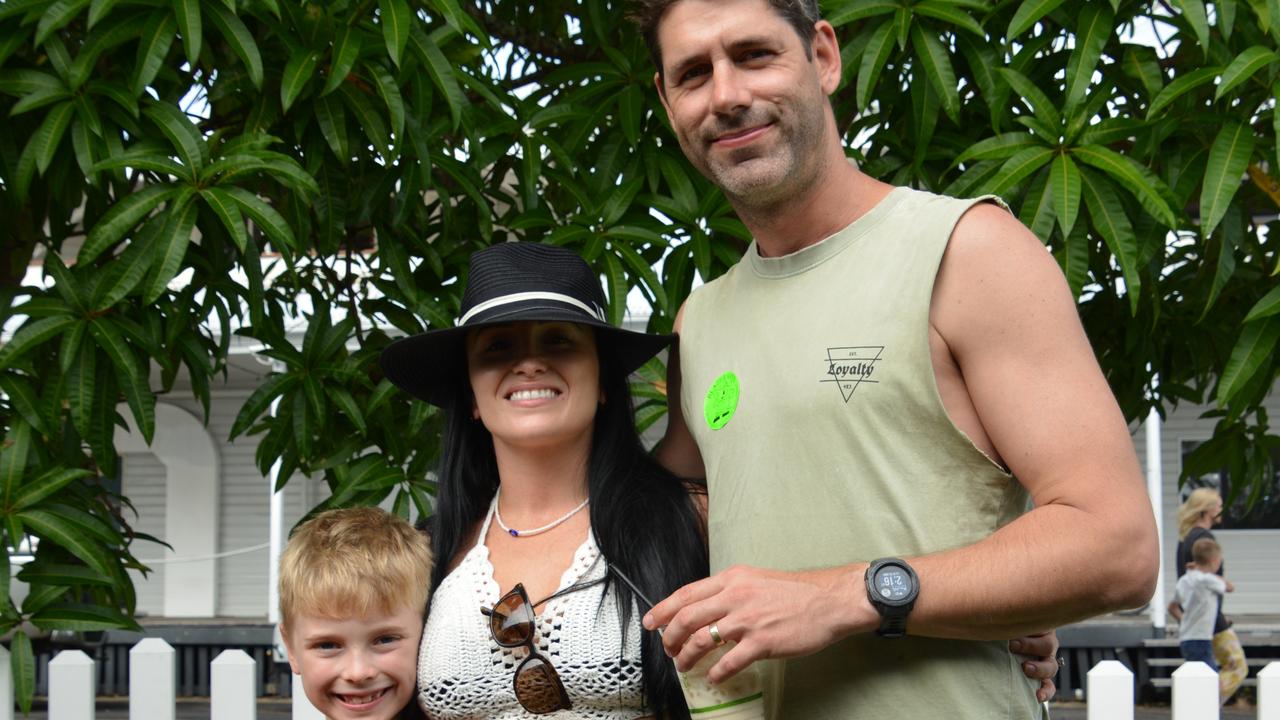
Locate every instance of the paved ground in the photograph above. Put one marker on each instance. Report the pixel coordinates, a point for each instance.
(280, 710)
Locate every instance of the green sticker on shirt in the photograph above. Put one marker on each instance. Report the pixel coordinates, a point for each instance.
(722, 401)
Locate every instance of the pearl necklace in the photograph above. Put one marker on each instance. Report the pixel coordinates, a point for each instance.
(497, 514)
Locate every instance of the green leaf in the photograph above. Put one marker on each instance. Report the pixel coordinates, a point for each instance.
(1226, 17)
(181, 133)
(1228, 161)
(1095, 27)
(116, 31)
(1137, 179)
(49, 135)
(187, 13)
(1041, 105)
(109, 338)
(149, 157)
(228, 211)
(1018, 168)
(1037, 210)
(332, 120)
(1253, 349)
(1266, 307)
(937, 66)
(1194, 13)
(264, 216)
(369, 119)
(81, 388)
(99, 9)
(348, 406)
(38, 99)
(171, 247)
(1029, 13)
(1181, 86)
(124, 274)
(142, 403)
(153, 48)
(390, 93)
(297, 72)
(616, 282)
(24, 669)
(639, 266)
(82, 618)
(1065, 184)
(1244, 67)
(879, 48)
(859, 10)
(47, 485)
(949, 13)
(441, 72)
(1110, 220)
(259, 402)
(42, 573)
(56, 17)
(346, 48)
(31, 335)
(122, 217)
(233, 30)
(67, 533)
(24, 400)
(396, 19)
(13, 458)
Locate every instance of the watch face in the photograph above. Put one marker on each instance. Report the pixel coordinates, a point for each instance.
(892, 583)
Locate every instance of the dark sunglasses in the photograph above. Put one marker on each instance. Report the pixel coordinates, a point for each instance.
(536, 684)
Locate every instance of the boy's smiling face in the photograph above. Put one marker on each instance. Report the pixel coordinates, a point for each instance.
(356, 668)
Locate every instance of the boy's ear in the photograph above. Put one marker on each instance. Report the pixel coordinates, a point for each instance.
(288, 648)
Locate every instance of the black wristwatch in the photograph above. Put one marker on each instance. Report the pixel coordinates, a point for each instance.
(892, 587)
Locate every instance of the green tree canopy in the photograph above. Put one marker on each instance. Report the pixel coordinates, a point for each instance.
(364, 149)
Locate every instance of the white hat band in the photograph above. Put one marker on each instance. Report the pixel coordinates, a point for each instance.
(597, 313)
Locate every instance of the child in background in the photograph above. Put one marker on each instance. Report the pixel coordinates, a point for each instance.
(353, 592)
(1198, 592)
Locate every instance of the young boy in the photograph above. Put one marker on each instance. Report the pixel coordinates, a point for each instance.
(1198, 592)
(353, 592)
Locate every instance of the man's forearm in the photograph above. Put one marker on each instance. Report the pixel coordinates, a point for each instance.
(1053, 566)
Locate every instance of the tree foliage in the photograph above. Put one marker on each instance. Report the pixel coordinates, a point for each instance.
(191, 170)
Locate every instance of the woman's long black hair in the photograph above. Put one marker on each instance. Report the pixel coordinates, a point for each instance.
(643, 518)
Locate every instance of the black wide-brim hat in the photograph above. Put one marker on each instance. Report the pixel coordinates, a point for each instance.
(514, 282)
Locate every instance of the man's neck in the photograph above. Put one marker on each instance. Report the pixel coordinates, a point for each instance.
(837, 198)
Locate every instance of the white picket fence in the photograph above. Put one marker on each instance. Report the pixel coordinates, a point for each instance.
(152, 686)
(152, 683)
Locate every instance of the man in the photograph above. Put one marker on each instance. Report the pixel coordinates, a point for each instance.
(885, 374)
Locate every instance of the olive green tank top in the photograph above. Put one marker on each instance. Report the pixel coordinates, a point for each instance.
(808, 385)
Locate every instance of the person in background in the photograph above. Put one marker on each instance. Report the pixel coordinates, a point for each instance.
(1196, 517)
(1199, 594)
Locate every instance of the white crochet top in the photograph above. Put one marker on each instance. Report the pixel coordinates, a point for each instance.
(463, 673)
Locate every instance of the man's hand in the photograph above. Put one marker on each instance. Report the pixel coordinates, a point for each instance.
(1041, 651)
(769, 614)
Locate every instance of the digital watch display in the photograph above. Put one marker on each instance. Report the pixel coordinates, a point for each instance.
(892, 587)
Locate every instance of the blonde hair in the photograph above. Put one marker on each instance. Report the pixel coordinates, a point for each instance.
(354, 562)
(1200, 501)
(1205, 550)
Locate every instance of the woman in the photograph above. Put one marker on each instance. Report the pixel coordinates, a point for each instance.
(546, 499)
(1201, 511)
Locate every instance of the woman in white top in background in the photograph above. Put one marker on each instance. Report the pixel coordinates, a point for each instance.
(546, 499)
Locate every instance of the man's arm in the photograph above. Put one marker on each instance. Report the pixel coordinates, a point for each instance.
(677, 450)
(1003, 310)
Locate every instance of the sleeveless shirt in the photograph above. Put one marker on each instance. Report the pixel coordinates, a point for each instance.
(464, 674)
(808, 385)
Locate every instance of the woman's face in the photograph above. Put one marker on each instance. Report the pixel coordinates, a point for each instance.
(1214, 513)
(535, 384)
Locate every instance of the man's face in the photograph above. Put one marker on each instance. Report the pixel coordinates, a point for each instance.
(356, 668)
(747, 104)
